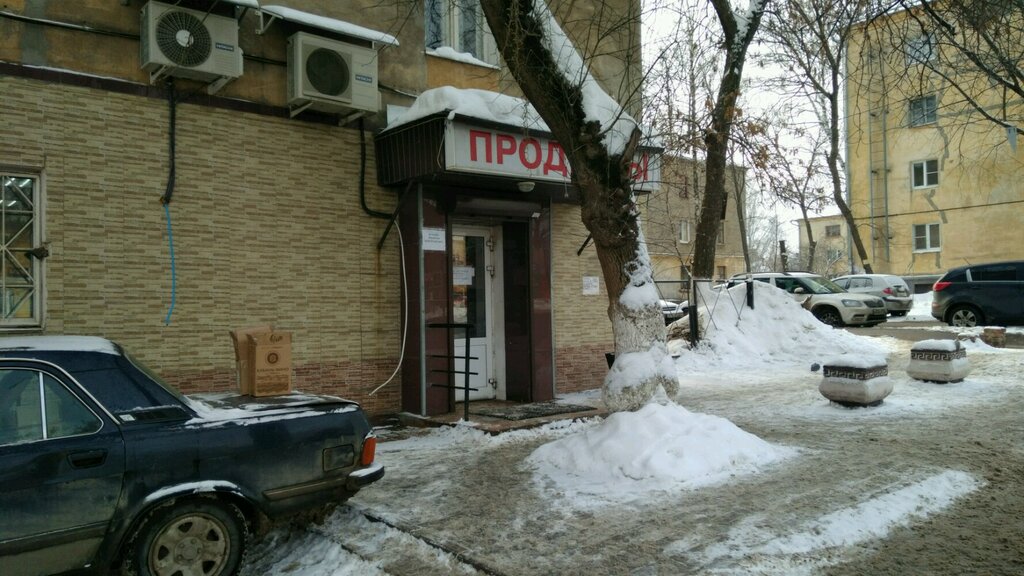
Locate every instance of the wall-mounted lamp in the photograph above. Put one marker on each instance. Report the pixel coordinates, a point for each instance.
(525, 186)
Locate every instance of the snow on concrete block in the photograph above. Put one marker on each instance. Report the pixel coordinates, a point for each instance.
(857, 384)
(939, 361)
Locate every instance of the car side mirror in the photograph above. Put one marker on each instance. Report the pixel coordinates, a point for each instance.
(799, 290)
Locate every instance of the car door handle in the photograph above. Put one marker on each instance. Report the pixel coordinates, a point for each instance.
(87, 459)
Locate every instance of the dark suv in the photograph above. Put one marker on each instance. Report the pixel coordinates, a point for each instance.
(981, 294)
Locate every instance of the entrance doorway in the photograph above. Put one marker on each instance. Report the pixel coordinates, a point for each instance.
(476, 295)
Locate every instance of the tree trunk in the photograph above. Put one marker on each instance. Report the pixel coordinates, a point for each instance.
(716, 138)
(642, 363)
(833, 170)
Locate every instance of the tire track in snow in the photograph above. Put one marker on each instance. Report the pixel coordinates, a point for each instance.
(823, 542)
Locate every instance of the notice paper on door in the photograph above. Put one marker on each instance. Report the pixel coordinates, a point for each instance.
(463, 275)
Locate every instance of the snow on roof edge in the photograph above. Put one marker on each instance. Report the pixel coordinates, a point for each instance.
(245, 3)
(330, 24)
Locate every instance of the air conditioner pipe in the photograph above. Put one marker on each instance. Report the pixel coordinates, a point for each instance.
(362, 176)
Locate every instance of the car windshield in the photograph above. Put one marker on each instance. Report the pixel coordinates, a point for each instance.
(821, 285)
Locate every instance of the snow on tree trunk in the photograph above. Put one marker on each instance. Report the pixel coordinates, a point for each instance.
(642, 362)
(599, 139)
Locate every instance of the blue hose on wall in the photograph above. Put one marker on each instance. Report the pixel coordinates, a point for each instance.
(174, 278)
(166, 198)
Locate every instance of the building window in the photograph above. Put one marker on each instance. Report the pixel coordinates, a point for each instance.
(923, 111)
(925, 174)
(721, 233)
(460, 25)
(926, 237)
(684, 232)
(832, 230)
(20, 272)
(684, 187)
(920, 49)
(720, 270)
(834, 254)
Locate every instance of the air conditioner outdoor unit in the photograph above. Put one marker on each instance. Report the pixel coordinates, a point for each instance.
(189, 44)
(330, 76)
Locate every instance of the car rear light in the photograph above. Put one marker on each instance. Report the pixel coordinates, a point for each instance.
(887, 291)
(940, 286)
(369, 450)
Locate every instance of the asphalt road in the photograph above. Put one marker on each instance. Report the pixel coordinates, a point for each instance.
(928, 330)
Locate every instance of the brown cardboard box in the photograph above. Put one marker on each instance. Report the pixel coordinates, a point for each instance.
(271, 354)
(243, 357)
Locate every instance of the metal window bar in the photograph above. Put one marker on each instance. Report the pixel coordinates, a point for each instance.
(452, 357)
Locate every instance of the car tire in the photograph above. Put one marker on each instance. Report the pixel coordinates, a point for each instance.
(829, 315)
(965, 317)
(201, 537)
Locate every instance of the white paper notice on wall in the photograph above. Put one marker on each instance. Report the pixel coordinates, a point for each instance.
(591, 285)
(433, 240)
(463, 275)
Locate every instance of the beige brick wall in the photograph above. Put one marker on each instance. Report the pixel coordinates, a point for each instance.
(267, 229)
(583, 332)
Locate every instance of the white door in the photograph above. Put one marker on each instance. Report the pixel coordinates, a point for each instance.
(473, 273)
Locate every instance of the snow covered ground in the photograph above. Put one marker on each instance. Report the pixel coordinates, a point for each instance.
(749, 470)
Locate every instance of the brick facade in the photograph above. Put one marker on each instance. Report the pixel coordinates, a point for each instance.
(267, 229)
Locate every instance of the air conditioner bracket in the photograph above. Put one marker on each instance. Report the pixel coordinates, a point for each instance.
(216, 85)
(294, 111)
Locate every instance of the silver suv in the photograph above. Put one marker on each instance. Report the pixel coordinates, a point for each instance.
(827, 301)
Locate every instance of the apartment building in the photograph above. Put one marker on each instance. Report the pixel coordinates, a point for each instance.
(933, 182)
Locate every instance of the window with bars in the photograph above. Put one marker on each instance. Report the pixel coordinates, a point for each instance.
(923, 111)
(925, 174)
(832, 230)
(926, 237)
(460, 25)
(21, 265)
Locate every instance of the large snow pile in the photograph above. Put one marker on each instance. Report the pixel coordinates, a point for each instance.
(777, 330)
(661, 447)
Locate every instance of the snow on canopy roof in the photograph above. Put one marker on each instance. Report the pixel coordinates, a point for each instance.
(59, 344)
(329, 24)
(473, 103)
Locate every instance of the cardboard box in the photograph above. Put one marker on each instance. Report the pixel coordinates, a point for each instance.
(243, 357)
(271, 354)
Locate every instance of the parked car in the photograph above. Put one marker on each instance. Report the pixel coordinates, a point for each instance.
(827, 301)
(981, 294)
(672, 310)
(104, 466)
(891, 289)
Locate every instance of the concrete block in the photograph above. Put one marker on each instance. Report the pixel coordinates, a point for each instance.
(856, 385)
(939, 361)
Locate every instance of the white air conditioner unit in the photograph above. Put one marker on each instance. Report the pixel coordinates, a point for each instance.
(330, 76)
(189, 44)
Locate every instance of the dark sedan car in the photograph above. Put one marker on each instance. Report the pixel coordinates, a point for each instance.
(104, 466)
(981, 294)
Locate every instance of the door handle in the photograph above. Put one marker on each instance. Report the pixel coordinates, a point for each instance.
(87, 459)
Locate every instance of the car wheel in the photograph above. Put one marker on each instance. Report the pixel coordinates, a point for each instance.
(195, 538)
(829, 316)
(965, 316)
